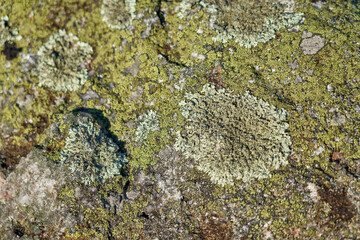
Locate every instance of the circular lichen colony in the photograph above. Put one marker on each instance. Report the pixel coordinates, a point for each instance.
(62, 62)
(233, 136)
(91, 154)
(118, 14)
(247, 21)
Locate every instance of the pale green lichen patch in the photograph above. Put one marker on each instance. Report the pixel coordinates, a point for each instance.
(91, 154)
(189, 9)
(7, 34)
(233, 137)
(246, 22)
(147, 122)
(118, 13)
(251, 22)
(62, 62)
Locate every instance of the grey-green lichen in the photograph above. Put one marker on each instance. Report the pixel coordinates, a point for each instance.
(91, 154)
(246, 21)
(189, 8)
(62, 62)
(118, 14)
(7, 34)
(233, 136)
(147, 122)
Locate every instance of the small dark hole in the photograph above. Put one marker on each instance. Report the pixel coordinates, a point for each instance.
(11, 51)
(144, 215)
(6, 24)
(19, 230)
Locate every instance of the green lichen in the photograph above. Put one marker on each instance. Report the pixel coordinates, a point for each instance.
(91, 154)
(62, 62)
(232, 136)
(247, 22)
(118, 14)
(147, 123)
(7, 34)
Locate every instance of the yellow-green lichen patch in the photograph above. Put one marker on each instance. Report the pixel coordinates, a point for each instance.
(181, 42)
(120, 217)
(24, 102)
(316, 88)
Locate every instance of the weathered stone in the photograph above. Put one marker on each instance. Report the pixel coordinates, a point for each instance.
(90, 94)
(338, 119)
(312, 45)
(30, 192)
(133, 69)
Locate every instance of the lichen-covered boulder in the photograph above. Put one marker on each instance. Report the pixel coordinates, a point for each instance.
(118, 14)
(62, 62)
(90, 154)
(233, 136)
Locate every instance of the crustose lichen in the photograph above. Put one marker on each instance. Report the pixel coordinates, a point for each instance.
(233, 136)
(62, 62)
(147, 122)
(118, 14)
(91, 154)
(246, 21)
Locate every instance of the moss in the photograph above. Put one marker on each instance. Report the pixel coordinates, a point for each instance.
(11, 154)
(233, 137)
(19, 229)
(62, 62)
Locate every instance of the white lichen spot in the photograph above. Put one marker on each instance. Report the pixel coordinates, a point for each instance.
(147, 123)
(313, 189)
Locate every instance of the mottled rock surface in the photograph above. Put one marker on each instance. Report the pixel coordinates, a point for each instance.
(310, 44)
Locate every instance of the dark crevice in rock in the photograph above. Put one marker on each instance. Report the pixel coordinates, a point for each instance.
(11, 51)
